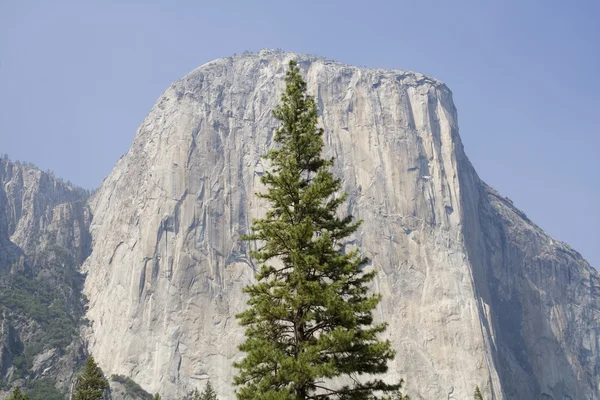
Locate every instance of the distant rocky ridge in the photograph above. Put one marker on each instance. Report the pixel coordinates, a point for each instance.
(37, 209)
(44, 239)
(475, 293)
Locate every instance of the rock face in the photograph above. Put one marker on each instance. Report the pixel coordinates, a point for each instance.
(474, 292)
(44, 238)
(39, 214)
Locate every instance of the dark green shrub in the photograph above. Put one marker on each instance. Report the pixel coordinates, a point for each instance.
(43, 389)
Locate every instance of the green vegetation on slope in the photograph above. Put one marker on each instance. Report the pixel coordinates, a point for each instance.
(43, 389)
(131, 387)
(55, 307)
(18, 395)
(44, 307)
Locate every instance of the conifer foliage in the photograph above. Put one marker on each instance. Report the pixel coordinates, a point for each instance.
(208, 393)
(17, 395)
(477, 395)
(91, 382)
(309, 317)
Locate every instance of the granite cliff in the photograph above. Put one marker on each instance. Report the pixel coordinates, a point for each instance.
(475, 293)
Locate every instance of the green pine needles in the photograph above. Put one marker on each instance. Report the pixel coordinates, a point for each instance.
(309, 319)
(91, 383)
(477, 395)
(17, 395)
(208, 393)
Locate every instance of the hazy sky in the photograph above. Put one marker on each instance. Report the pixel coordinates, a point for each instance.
(78, 77)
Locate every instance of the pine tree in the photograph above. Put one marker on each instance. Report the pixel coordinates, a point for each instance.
(209, 393)
(477, 395)
(91, 382)
(310, 312)
(17, 395)
(156, 397)
(398, 395)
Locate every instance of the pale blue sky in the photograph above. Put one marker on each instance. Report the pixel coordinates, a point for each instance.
(78, 77)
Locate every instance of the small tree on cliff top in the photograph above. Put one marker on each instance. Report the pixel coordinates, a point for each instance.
(309, 318)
